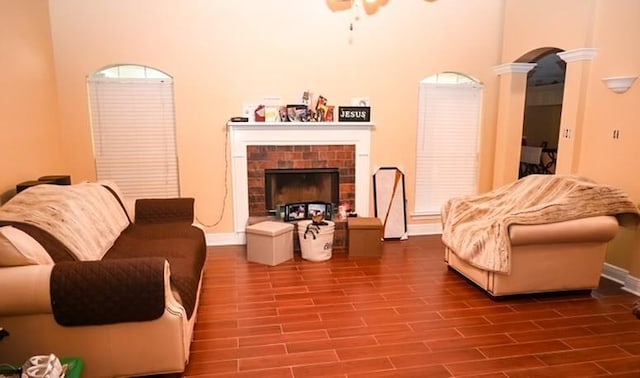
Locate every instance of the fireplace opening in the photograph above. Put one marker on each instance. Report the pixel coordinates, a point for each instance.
(284, 186)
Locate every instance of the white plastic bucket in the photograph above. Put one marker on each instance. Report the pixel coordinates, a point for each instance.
(316, 241)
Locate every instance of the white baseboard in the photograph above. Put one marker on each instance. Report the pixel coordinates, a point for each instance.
(230, 238)
(424, 229)
(629, 283)
(614, 273)
(632, 285)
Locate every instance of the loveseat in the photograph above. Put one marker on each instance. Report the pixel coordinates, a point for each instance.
(83, 274)
(542, 233)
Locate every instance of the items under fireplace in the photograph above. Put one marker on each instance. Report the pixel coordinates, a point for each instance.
(286, 186)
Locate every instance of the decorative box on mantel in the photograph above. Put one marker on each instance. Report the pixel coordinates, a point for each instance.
(243, 134)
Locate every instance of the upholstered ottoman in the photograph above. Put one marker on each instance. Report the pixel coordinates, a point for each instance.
(270, 242)
(365, 236)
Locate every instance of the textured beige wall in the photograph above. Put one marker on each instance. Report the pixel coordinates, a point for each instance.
(222, 54)
(617, 37)
(530, 25)
(30, 135)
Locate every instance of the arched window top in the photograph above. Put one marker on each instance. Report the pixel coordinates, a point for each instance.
(450, 78)
(130, 71)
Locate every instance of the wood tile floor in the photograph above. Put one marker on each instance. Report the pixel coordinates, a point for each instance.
(402, 315)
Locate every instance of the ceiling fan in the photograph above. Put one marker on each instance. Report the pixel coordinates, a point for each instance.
(368, 6)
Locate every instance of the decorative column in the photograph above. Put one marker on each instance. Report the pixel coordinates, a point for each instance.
(511, 102)
(573, 107)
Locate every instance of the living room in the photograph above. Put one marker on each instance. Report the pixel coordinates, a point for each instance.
(224, 54)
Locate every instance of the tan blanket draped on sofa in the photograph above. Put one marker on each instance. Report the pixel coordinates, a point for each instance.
(85, 217)
(476, 228)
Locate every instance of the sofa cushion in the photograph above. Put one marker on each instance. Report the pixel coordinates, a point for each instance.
(181, 244)
(18, 248)
(86, 218)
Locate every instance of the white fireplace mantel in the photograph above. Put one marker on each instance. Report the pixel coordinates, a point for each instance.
(243, 134)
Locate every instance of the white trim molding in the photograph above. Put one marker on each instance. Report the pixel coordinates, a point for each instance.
(632, 285)
(243, 134)
(585, 53)
(513, 68)
(424, 229)
(614, 273)
(229, 238)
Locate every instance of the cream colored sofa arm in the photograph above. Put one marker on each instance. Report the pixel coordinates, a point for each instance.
(24, 290)
(594, 229)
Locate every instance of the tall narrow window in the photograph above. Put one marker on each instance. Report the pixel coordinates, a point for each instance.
(448, 132)
(133, 124)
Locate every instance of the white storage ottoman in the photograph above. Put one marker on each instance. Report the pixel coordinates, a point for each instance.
(270, 242)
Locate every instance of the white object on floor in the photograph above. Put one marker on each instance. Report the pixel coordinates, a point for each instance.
(390, 202)
(530, 155)
(316, 241)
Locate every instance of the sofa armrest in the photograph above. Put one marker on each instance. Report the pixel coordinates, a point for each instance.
(164, 210)
(24, 290)
(109, 291)
(598, 229)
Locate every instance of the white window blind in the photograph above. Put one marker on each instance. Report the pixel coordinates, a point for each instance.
(133, 128)
(447, 151)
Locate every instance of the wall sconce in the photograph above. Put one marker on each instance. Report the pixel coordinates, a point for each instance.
(619, 84)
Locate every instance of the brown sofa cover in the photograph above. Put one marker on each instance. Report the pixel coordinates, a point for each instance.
(107, 311)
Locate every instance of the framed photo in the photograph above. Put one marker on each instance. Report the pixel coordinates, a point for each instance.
(305, 210)
(295, 211)
(314, 208)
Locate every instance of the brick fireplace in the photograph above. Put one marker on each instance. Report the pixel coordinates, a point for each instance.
(302, 159)
(261, 145)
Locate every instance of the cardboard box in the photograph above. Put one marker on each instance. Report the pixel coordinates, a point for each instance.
(365, 236)
(269, 242)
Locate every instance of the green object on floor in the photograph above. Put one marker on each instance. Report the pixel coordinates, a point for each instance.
(75, 367)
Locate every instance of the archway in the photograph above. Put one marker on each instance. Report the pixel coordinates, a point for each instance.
(542, 111)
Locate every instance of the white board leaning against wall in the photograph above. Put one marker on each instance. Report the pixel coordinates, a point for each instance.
(390, 202)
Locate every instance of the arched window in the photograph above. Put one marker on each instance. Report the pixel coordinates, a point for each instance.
(133, 125)
(448, 139)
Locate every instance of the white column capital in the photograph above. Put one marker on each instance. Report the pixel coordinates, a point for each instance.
(575, 55)
(513, 68)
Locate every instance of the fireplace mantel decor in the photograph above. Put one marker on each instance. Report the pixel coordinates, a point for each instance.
(243, 134)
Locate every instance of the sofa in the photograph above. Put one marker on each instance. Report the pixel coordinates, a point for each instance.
(542, 233)
(86, 273)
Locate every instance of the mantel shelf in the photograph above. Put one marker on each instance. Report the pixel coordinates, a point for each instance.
(363, 125)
